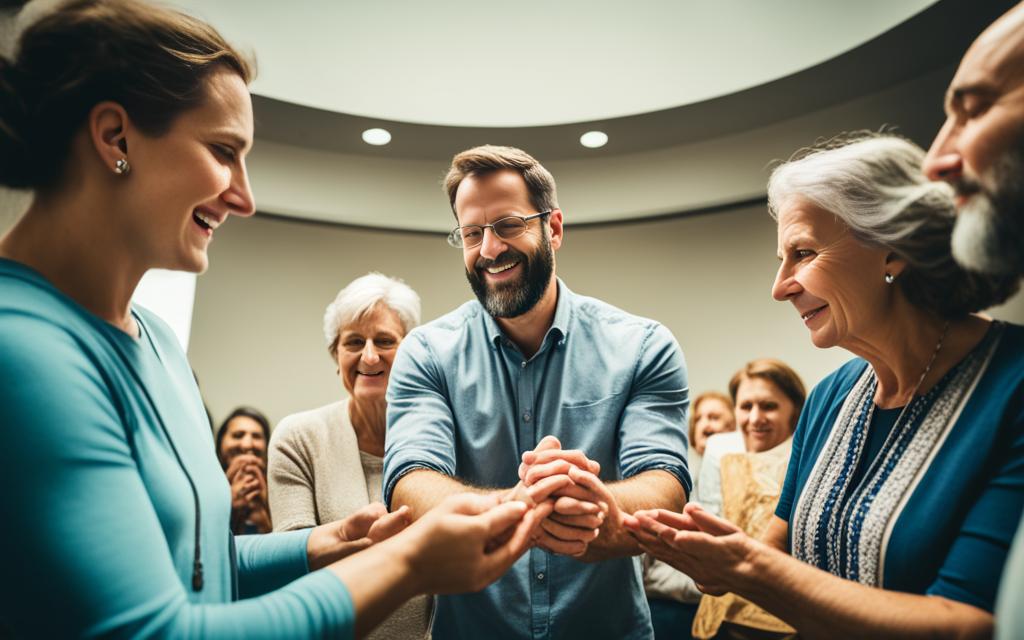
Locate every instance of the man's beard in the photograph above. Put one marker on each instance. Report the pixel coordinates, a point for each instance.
(513, 298)
(989, 233)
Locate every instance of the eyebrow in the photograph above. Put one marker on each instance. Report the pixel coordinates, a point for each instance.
(239, 142)
(955, 96)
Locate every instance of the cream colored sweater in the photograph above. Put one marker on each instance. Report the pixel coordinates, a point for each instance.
(315, 475)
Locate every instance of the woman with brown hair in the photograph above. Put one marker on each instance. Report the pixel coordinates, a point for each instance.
(767, 398)
(130, 124)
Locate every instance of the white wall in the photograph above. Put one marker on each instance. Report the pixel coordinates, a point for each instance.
(257, 338)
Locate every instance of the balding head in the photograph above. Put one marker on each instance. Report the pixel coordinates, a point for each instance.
(980, 149)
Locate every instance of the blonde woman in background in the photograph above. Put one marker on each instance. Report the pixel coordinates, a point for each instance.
(710, 413)
(672, 596)
(326, 463)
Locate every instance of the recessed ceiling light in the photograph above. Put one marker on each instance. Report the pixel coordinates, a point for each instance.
(594, 139)
(377, 137)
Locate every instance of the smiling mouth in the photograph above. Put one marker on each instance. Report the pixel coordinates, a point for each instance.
(370, 375)
(813, 312)
(205, 222)
(494, 269)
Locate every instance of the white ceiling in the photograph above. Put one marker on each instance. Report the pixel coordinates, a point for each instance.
(535, 62)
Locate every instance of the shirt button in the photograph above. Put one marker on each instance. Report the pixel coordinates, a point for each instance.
(523, 364)
(540, 576)
(527, 416)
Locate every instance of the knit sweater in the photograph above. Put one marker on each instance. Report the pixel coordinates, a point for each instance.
(316, 475)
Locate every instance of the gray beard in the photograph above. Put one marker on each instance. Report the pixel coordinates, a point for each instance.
(989, 233)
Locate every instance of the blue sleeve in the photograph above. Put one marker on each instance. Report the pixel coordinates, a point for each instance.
(270, 561)
(652, 431)
(974, 565)
(421, 427)
(85, 552)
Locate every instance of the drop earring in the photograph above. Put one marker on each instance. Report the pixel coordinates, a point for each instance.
(889, 278)
(121, 167)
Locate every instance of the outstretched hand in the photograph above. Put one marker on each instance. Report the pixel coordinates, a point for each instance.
(709, 549)
(470, 540)
(367, 526)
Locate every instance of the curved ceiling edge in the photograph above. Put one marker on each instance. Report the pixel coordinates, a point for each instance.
(406, 194)
(905, 52)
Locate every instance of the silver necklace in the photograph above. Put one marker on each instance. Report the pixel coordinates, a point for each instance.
(924, 374)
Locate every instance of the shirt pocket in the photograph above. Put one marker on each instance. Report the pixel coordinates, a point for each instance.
(593, 427)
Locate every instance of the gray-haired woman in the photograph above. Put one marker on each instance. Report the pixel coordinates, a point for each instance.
(326, 463)
(906, 480)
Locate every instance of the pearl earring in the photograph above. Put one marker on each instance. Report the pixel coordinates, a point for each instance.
(889, 278)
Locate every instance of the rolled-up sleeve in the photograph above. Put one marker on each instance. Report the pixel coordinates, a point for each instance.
(652, 431)
(420, 425)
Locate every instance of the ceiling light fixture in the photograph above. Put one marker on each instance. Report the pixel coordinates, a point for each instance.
(377, 137)
(594, 139)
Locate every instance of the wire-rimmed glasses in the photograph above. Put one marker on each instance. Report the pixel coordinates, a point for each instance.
(471, 235)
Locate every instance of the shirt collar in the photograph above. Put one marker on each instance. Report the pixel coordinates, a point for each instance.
(559, 325)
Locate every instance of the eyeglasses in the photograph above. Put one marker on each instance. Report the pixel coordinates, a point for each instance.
(471, 235)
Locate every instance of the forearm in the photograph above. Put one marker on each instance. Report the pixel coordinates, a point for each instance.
(654, 489)
(423, 489)
(379, 580)
(821, 605)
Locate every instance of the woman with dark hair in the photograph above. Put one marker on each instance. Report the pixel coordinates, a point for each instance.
(130, 124)
(906, 480)
(242, 449)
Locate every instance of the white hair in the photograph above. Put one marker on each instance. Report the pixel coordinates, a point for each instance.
(361, 295)
(870, 181)
(874, 184)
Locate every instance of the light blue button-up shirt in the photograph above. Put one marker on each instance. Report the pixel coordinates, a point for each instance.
(463, 401)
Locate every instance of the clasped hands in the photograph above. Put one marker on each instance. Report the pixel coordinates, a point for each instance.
(564, 482)
(246, 474)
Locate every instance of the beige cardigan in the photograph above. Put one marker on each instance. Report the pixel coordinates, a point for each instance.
(315, 475)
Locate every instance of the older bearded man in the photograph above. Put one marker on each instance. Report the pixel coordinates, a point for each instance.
(980, 151)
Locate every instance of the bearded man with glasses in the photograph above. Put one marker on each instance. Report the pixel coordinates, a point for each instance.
(534, 392)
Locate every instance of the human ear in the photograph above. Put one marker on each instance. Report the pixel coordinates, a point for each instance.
(894, 264)
(107, 127)
(555, 226)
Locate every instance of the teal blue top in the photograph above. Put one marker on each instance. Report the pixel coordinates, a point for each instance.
(98, 514)
(928, 506)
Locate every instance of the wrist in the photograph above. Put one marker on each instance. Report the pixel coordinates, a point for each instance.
(404, 548)
(748, 572)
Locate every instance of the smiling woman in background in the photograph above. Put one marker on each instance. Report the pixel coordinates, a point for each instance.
(130, 124)
(710, 413)
(906, 481)
(326, 463)
(242, 449)
(768, 396)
